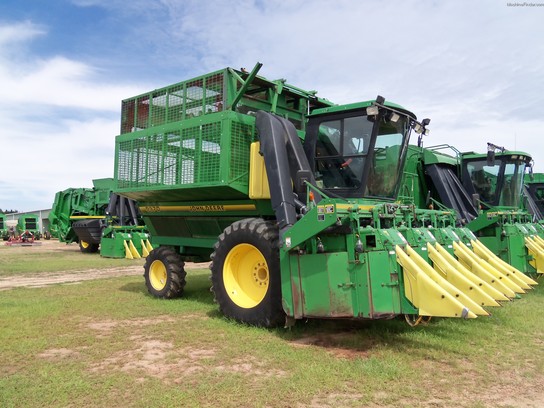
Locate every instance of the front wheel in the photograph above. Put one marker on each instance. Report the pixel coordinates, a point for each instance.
(164, 273)
(246, 277)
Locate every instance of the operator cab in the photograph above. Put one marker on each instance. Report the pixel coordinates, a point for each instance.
(535, 190)
(358, 150)
(497, 181)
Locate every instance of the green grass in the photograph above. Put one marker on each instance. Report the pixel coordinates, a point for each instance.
(108, 343)
(32, 260)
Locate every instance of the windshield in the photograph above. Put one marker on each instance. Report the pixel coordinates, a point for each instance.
(343, 148)
(513, 183)
(497, 184)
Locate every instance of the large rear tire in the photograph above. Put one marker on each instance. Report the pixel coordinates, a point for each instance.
(164, 273)
(245, 267)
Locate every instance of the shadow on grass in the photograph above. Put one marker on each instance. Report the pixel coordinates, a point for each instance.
(344, 337)
(196, 289)
(134, 287)
(350, 338)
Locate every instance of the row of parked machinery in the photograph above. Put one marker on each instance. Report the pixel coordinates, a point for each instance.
(311, 209)
(25, 231)
(307, 208)
(99, 221)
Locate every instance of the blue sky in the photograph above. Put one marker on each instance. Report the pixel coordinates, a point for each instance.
(476, 68)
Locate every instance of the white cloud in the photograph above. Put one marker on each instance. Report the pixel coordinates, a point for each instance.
(475, 68)
(44, 160)
(59, 81)
(53, 81)
(17, 33)
(58, 120)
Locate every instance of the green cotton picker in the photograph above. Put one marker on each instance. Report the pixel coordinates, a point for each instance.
(99, 220)
(486, 192)
(297, 202)
(533, 192)
(4, 230)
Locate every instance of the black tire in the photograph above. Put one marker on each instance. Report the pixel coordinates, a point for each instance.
(164, 273)
(87, 248)
(246, 279)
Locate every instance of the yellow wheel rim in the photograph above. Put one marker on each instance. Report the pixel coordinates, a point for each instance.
(157, 275)
(84, 244)
(245, 275)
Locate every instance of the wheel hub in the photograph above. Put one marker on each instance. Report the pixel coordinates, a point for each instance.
(246, 275)
(157, 275)
(260, 274)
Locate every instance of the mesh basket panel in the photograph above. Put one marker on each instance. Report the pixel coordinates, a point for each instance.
(241, 136)
(174, 103)
(174, 113)
(142, 112)
(159, 108)
(169, 159)
(210, 150)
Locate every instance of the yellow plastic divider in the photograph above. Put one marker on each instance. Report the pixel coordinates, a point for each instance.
(130, 250)
(534, 248)
(430, 297)
(145, 252)
(486, 287)
(128, 254)
(522, 280)
(148, 246)
(498, 273)
(471, 262)
(452, 290)
(133, 250)
(454, 274)
(539, 240)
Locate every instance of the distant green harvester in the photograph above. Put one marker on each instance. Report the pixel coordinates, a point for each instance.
(4, 231)
(98, 219)
(29, 223)
(486, 191)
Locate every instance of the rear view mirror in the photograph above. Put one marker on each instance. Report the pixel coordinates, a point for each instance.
(476, 201)
(490, 157)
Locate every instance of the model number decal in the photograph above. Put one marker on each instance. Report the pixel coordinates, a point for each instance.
(200, 208)
(150, 208)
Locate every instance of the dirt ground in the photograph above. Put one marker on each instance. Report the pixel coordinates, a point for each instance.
(147, 356)
(44, 279)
